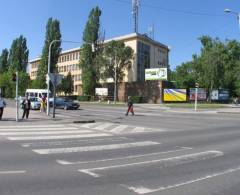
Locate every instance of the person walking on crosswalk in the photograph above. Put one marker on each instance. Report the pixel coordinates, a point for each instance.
(130, 106)
(2, 105)
(26, 104)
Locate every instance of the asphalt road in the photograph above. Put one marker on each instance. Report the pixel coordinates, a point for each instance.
(154, 152)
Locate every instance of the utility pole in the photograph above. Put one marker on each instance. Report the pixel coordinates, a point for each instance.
(115, 79)
(135, 8)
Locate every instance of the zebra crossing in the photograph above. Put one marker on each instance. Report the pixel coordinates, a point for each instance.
(115, 128)
(99, 138)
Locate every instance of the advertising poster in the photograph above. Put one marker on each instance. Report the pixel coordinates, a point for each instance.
(101, 91)
(175, 95)
(202, 94)
(156, 74)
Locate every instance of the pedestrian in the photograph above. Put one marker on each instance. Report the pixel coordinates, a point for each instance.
(130, 106)
(43, 104)
(2, 105)
(26, 104)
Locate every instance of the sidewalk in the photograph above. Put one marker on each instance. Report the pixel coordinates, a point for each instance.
(9, 115)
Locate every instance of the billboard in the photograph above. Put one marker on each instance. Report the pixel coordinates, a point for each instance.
(220, 94)
(101, 91)
(202, 94)
(175, 95)
(156, 74)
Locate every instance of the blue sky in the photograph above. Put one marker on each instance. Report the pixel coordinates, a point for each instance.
(177, 23)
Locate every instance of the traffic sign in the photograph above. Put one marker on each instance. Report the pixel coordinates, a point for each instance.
(55, 78)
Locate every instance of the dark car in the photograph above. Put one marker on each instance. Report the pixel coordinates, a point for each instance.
(66, 103)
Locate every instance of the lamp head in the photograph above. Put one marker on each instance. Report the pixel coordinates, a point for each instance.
(227, 10)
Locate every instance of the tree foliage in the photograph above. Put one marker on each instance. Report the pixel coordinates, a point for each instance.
(118, 58)
(67, 84)
(52, 33)
(4, 60)
(217, 66)
(18, 55)
(90, 52)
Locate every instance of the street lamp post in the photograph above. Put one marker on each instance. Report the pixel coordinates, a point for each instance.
(49, 61)
(234, 13)
(48, 80)
(115, 79)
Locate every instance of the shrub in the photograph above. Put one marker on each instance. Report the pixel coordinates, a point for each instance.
(136, 99)
(84, 98)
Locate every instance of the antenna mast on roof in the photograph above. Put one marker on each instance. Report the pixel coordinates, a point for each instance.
(135, 8)
(151, 31)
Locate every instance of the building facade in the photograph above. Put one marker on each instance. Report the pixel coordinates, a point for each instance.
(148, 53)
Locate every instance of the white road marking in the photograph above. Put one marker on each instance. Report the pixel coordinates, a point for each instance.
(137, 129)
(11, 172)
(40, 129)
(94, 148)
(58, 137)
(167, 161)
(144, 190)
(90, 125)
(64, 162)
(47, 132)
(30, 126)
(59, 143)
(119, 128)
(103, 126)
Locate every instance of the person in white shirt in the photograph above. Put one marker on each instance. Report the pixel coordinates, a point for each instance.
(2, 105)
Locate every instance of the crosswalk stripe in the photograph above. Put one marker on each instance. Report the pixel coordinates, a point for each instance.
(57, 137)
(94, 148)
(46, 132)
(119, 128)
(30, 126)
(90, 125)
(41, 129)
(103, 126)
(138, 129)
(183, 159)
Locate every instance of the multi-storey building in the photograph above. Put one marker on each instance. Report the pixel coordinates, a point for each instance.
(148, 53)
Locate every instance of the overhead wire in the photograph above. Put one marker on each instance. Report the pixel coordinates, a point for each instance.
(174, 10)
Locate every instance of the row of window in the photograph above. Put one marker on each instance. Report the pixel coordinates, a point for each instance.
(77, 77)
(68, 68)
(35, 65)
(33, 73)
(69, 57)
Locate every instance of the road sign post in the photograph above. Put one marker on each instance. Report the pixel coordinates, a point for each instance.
(56, 79)
(196, 95)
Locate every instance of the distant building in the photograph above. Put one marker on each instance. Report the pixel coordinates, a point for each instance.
(148, 53)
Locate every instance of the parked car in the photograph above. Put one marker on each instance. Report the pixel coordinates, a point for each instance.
(35, 103)
(66, 103)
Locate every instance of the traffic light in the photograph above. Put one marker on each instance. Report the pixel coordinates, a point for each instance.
(196, 85)
(14, 77)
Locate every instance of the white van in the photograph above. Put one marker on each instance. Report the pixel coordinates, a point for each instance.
(36, 93)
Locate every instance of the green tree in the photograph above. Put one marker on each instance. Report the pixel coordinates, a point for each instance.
(18, 55)
(4, 61)
(67, 84)
(184, 75)
(118, 60)
(52, 33)
(90, 51)
(217, 66)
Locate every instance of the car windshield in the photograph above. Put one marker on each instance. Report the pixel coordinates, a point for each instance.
(33, 99)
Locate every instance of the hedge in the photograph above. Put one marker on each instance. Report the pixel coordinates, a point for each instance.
(84, 98)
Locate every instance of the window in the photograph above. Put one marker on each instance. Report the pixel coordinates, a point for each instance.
(143, 60)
